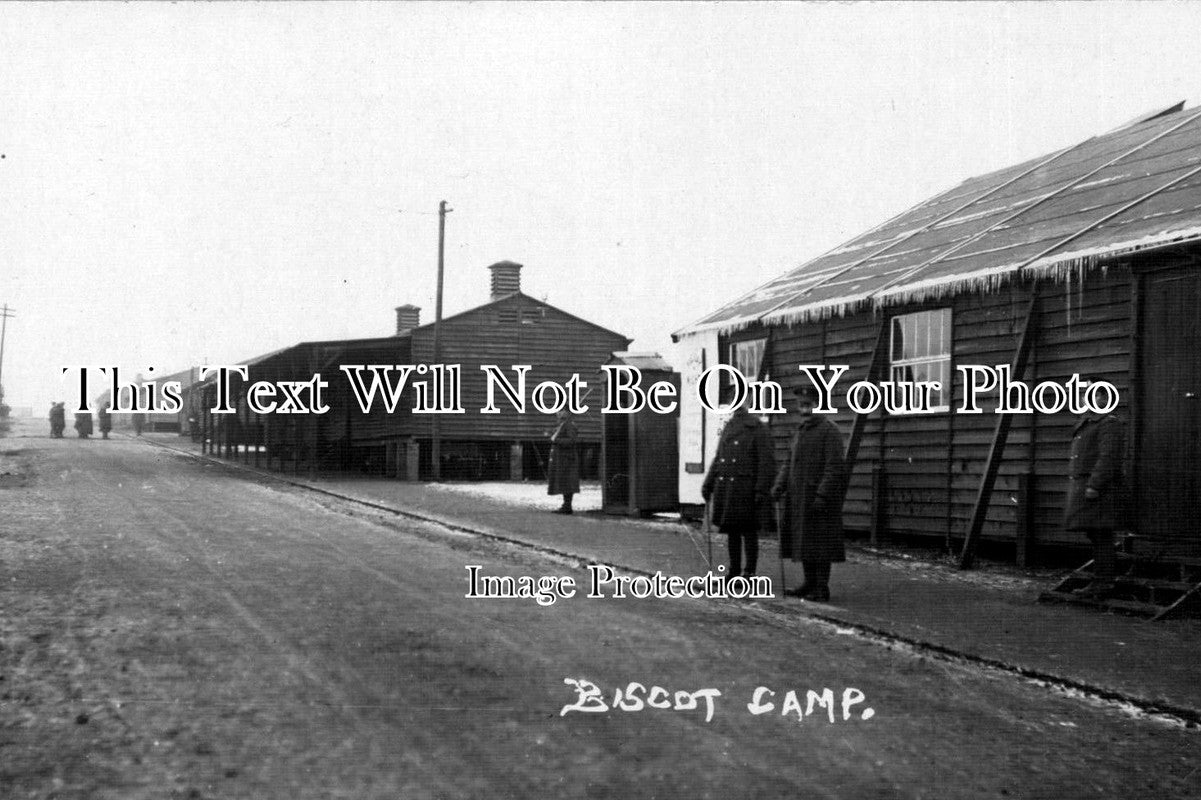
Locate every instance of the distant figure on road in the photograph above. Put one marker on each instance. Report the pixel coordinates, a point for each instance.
(738, 485)
(83, 424)
(106, 419)
(138, 420)
(812, 484)
(1094, 503)
(58, 420)
(563, 466)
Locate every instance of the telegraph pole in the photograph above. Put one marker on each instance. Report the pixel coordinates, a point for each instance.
(435, 419)
(5, 313)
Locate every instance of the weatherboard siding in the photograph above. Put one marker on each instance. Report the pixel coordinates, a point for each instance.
(556, 345)
(934, 462)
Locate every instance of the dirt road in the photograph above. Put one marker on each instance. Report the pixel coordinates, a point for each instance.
(172, 628)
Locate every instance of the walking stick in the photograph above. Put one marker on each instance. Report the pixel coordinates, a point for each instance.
(709, 535)
(780, 540)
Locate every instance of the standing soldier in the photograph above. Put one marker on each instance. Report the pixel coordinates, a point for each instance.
(106, 419)
(812, 484)
(738, 485)
(1095, 485)
(83, 424)
(58, 420)
(563, 466)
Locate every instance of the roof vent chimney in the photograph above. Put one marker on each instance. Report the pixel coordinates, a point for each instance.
(407, 318)
(506, 279)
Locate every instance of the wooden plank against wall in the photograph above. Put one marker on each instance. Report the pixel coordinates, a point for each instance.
(873, 368)
(997, 450)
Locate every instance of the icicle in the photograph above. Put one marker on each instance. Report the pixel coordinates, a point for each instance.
(1067, 296)
(1080, 290)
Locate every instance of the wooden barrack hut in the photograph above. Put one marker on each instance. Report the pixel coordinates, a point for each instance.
(1083, 261)
(512, 328)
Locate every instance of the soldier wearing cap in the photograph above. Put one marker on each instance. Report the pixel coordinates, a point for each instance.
(812, 484)
(1094, 503)
(738, 483)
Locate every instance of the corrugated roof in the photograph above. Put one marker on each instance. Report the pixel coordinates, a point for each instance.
(1134, 188)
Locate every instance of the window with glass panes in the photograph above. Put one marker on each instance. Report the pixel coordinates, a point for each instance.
(921, 351)
(747, 357)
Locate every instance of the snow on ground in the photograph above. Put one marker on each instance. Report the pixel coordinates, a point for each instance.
(527, 494)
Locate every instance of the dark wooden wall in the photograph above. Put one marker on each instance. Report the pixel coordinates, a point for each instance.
(345, 420)
(933, 463)
(516, 330)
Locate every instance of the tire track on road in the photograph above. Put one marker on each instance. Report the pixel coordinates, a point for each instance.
(183, 538)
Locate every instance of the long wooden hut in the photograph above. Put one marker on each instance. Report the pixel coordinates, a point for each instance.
(1083, 261)
(342, 438)
(511, 329)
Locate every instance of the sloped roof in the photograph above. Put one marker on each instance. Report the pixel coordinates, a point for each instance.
(1135, 188)
(212, 376)
(525, 299)
(646, 362)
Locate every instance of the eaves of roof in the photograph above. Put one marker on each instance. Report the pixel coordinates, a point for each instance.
(1133, 189)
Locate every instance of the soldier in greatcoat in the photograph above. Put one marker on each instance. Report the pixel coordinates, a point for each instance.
(563, 466)
(83, 424)
(106, 419)
(58, 420)
(738, 485)
(812, 484)
(1095, 492)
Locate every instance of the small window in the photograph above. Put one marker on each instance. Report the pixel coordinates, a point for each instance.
(747, 357)
(921, 351)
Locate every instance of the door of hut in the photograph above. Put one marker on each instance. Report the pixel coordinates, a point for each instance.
(1169, 457)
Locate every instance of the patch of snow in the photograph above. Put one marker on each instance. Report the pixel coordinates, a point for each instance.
(526, 493)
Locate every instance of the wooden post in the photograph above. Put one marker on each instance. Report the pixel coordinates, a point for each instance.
(412, 460)
(517, 462)
(436, 419)
(1025, 520)
(5, 314)
(996, 451)
(311, 419)
(879, 523)
(1135, 405)
(861, 419)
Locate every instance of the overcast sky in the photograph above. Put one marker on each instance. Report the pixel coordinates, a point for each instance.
(202, 183)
